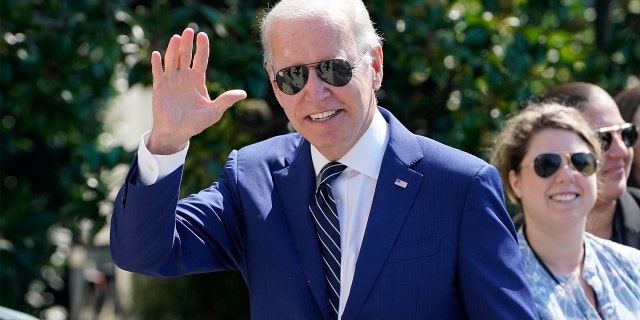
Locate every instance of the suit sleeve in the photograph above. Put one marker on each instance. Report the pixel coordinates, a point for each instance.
(154, 233)
(492, 278)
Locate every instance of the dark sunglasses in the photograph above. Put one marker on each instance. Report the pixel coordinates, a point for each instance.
(546, 164)
(336, 72)
(628, 133)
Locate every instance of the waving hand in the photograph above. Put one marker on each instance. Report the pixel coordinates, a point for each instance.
(181, 104)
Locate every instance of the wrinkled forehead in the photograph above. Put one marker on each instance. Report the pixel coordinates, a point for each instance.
(308, 39)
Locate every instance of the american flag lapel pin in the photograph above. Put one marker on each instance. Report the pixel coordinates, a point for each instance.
(401, 183)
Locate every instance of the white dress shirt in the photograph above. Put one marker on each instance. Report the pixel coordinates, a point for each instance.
(354, 188)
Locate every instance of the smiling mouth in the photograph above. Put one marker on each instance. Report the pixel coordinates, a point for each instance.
(564, 197)
(322, 116)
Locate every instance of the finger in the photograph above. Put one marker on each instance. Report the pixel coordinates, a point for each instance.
(171, 56)
(156, 67)
(186, 49)
(227, 99)
(201, 58)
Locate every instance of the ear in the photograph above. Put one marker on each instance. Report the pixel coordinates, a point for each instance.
(376, 64)
(514, 182)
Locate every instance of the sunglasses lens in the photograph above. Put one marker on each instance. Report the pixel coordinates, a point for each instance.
(336, 72)
(605, 140)
(629, 135)
(547, 164)
(291, 80)
(585, 163)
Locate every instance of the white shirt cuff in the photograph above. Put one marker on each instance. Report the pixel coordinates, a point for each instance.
(154, 167)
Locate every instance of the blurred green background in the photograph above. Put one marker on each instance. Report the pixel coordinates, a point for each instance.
(453, 70)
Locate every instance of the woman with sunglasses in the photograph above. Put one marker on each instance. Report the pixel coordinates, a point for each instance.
(616, 214)
(547, 158)
(628, 102)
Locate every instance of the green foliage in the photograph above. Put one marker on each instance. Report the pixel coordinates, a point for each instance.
(57, 61)
(453, 71)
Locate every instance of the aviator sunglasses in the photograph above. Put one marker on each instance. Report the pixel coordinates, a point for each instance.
(546, 164)
(628, 133)
(336, 72)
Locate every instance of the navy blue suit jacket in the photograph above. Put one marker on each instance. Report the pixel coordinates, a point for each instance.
(444, 247)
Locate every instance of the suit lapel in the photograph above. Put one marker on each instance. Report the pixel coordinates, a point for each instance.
(295, 185)
(391, 203)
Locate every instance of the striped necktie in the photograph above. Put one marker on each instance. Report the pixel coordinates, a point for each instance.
(324, 212)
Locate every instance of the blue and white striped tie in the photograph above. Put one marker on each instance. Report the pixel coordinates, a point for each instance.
(324, 212)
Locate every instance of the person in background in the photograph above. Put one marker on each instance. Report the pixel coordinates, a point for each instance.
(547, 156)
(628, 102)
(351, 217)
(616, 214)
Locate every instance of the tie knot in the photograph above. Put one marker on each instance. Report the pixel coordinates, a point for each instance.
(330, 172)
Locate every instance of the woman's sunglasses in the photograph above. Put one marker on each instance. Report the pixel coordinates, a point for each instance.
(336, 72)
(546, 164)
(628, 133)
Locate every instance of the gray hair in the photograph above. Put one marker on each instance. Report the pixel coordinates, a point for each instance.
(352, 14)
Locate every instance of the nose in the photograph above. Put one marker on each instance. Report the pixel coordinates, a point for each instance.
(316, 88)
(566, 172)
(618, 149)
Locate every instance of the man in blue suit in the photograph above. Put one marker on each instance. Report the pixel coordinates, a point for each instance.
(422, 231)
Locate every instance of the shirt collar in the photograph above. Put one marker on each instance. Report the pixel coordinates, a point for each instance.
(366, 155)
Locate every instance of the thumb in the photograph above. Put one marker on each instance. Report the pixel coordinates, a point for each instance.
(227, 99)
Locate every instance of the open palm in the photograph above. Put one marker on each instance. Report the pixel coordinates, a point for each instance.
(181, 104)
